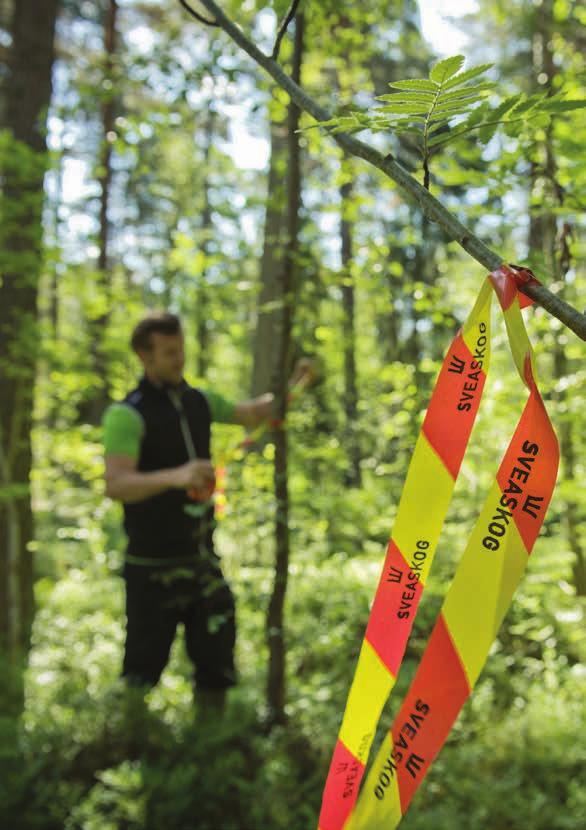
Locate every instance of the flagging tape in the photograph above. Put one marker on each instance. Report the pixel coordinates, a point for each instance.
(482, 588)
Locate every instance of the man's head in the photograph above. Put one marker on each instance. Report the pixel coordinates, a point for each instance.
(158, 341)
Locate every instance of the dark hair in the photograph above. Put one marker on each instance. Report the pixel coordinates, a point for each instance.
(159, 322)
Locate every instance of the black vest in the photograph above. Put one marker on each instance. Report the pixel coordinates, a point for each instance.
(159, 527)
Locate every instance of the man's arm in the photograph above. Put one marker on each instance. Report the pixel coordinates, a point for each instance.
(252, 412)
(125, 483)
(248, 413)
(123, 431)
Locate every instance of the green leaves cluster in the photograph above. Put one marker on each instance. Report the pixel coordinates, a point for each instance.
(449, 104)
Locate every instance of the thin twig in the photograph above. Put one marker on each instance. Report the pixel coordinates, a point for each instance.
(431, 207)
(283, 28)
(197, 15)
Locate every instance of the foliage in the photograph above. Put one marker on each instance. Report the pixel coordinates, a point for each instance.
(86, 755)
(450, 104)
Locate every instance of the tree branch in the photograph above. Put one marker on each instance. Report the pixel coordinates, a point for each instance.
(430, 206)
(197, 14)
(283, 27)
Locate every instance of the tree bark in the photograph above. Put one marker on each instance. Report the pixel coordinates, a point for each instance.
(544, 235)
(202, 308)
(26, 97)
(353, 476)
(269, 304)
(6, 12)
(91, 410)
(276, 689)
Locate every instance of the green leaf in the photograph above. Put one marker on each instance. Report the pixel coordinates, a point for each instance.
(329, 123)
(350, 120)
(446, 68)
(560, 105)
(538, 119)
(452, 108)
(477, 115)
(474, 91)
(415, 84)
(414, 108)
(512, 129)
(350, 127)
(493, 116)
(505, 106)
(443, 138)
(382, 127)
(398, 97)
(486, 133)
(408, 127)
(526, 105)
(463, 77)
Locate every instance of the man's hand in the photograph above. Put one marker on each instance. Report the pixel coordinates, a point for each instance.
(304, 373)
(195, 475)
(127, 484)
(252, 413)
(263, 407)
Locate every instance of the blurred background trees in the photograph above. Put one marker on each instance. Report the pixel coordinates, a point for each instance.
(145, 163)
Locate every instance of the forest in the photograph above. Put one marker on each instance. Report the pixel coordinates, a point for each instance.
(346, 205)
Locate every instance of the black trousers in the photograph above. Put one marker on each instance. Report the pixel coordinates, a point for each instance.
(157, 599)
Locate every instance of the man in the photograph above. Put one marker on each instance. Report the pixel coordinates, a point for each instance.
(157, 456)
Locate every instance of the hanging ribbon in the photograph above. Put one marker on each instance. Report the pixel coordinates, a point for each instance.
(482, 588)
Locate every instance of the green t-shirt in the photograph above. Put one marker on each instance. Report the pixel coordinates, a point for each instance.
(123, 426)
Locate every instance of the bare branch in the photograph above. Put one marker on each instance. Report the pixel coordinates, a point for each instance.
(198, 16)
(430, 206)
(283, 27)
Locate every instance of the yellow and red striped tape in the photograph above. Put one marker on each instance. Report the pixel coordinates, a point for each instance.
(482, 588)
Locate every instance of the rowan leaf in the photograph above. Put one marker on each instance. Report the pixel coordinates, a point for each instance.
(445, 137)
(415, 108)
(474, 91)
(415, 84)
(401, 97)
(446, 68)
(563, 105)
(505, 106)
(468, 75)
(495, 115)
(451, 108)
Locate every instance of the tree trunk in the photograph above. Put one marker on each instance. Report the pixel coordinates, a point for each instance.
(202, 303)
(275, 622)
(6, 12)
(352, 477)
(92, 410)
(544, 235)
(270, 298)
(54, 275)
(572, 521)
(26, 98)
